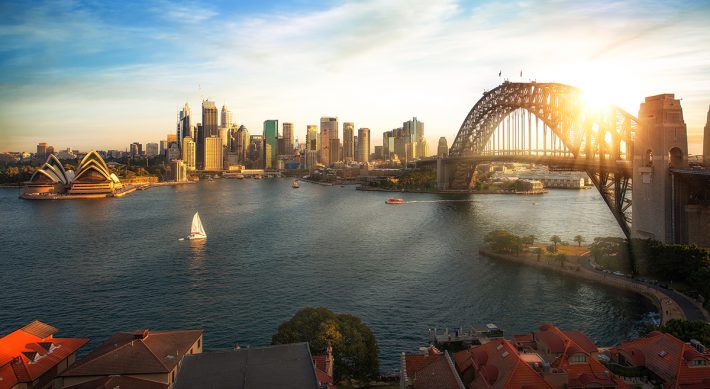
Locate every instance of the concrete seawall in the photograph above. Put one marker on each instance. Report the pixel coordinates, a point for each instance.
(666, 306)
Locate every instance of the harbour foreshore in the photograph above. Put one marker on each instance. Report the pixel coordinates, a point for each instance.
(667, 307)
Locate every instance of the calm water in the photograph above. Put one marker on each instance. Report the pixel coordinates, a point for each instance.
(94, 267)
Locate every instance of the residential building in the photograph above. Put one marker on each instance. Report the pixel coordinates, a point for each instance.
(189, 153)
(328, 130)
(287, 136)
(430, 368)
(363, 144)
(152, 150)
(349, 148)
(271, 136)
(31, 357)
(214, 154)
(675, 363)
(443, 148)
(153, 356)
(271, 367)
(226, 117)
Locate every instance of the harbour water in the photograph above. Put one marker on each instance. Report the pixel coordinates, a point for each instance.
(94, 267)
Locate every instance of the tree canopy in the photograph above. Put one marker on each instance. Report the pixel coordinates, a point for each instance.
(355, 349)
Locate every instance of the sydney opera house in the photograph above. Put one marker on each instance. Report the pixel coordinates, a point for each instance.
(91, 179)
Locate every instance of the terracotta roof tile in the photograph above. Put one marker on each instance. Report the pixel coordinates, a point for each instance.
(39, 329)
(436, 375)
(114, 382)
(136, 353)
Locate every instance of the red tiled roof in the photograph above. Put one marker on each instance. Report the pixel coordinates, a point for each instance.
(550, 336)
(138, 352)
(668, 357)
(502, 367)
(435, 375)
(582, 341)
(29, 352)
(114, 382)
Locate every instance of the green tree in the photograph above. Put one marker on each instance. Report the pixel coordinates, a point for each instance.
(684, 330)
(529, 240)
(503, 241)
(355, 348)
(579, 239)
(555, 239)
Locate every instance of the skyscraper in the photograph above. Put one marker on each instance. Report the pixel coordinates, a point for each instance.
(255, 154)
(240, 144)
(706, 143)
(335, 150)
(271, 139)
(213, 153)
(189, 152)
(363, 143)
(136, 150)
(287, 135)
(414, 129)
(151, 150)
(328, 130)
(42, 151)
(226, 116)
(209, 128)
(443, 148)
(184, 126)
(349, 142)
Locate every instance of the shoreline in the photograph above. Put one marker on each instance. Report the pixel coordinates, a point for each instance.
(667, 308)
(448, 192)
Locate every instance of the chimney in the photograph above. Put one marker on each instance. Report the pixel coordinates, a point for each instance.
(329, 361)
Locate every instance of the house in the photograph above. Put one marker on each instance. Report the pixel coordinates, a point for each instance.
(143, 355)
(667, 359)
(430, 369)
(31, 357)
(272, 367)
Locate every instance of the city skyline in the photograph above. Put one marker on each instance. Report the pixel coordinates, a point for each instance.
(117, 65)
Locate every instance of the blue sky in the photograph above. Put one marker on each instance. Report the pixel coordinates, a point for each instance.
(102, 75)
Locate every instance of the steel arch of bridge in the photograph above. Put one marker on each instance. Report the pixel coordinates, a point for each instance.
(598, 141)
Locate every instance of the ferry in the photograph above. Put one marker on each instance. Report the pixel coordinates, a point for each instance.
(395, 201)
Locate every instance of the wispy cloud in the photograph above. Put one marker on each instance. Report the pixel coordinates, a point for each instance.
(376, 63)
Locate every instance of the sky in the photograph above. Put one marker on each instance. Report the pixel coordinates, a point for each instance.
(104, 74)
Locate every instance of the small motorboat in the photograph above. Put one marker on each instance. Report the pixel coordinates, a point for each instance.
(295, 184)
(197, 231)
(395, 201)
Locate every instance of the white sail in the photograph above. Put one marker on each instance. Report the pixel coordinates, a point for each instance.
(197, 228)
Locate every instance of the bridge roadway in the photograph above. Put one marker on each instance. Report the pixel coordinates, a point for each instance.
(556, 162)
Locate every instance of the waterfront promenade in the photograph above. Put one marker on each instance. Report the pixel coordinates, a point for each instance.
(670, 304)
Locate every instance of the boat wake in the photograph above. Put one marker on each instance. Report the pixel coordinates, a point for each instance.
(441, 201)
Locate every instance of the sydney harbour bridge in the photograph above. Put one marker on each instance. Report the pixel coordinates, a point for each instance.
(559, 126)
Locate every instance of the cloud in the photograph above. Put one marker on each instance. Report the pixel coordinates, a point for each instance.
(376, 63)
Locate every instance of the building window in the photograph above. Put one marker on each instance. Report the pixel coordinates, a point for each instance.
(578, 358)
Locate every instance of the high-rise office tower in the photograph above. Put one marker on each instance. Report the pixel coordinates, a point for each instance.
(328, 131)
(200, 146)
(255, 154)
(706, 143)
(312, 137)
(42, 151)
(287, 135)
(363, 145)
(151, 150)
(240, 144)
(136, 150)
(226, 116)
(184, 126)
(387, 150)
(443, 149)
(271, 140)
(213, 153)
(335, 150)
(349, 142)
(414, 129)
(210, 128)
(163, 147)
(189, 152)
(224, 136)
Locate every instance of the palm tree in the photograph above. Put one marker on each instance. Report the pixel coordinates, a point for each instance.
(579, 239)
(555, 239)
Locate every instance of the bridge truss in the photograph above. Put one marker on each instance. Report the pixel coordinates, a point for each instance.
(552, 124)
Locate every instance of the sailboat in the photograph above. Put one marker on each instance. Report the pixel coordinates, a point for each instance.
(196, 231)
